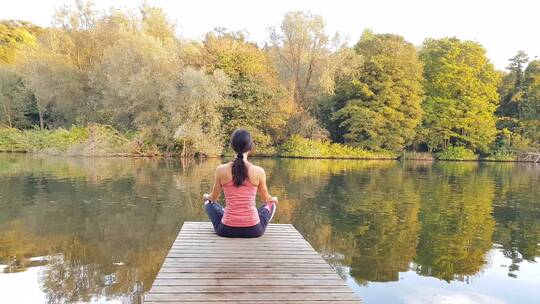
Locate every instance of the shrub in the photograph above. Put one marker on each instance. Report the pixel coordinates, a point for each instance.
(456, 153)
(12, 140)
(502, 156)
(93, 140)
(298, 146)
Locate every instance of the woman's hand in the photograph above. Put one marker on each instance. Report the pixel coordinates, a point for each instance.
(274, 200)
(206, 197)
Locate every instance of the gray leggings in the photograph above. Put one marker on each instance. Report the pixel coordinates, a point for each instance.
(215, 213)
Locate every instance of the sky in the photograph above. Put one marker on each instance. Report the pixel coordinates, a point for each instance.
(502, 27)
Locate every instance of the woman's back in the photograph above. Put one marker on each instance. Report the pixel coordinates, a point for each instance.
(241, 210)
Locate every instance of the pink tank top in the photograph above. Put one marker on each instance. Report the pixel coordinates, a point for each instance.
(241, 210)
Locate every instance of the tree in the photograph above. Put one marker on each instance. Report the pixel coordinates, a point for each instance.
(512, 87)
(15, 100)
(13, 36)
(460, 95)
(378, 105)
(52, 77)
(531, 105)
(301, 50)
(256, 101)
(134, 80)
(195, 114)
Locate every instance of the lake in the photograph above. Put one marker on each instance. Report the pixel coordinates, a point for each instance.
(98, 229)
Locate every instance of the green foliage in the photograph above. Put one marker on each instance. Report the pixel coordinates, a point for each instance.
(15, 100)
(456, 153)
(129, 70)
(12, 140)
(378, 106)
(93, 140)
(40, 140)
(501, 156)
(512, 86)
(519, 109)
(531, 105)
(297, 146)
(256, 100)
(460, 95)
(15, 35)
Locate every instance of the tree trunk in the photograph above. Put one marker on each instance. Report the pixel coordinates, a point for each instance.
(41, 122)
(8, 116)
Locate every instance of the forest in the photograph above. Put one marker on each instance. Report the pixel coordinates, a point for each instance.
(122, 81)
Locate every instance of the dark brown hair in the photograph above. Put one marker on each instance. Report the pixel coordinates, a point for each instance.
(241, 143)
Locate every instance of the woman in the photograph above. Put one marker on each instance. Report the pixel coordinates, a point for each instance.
(240, 181)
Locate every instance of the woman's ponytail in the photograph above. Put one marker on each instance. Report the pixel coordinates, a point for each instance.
(241, 143)
(239, 170)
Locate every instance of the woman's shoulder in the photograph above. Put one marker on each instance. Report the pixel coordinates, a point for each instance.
(256, 168)
(223, 167)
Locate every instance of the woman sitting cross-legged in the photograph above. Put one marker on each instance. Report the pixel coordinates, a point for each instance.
(240, 181)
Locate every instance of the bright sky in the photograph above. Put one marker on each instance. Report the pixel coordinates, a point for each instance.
(503, 27)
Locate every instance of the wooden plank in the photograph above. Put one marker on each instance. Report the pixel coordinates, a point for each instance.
(242, 250)
(262, 302)
(280, 266)
(248, 282)
(276, 270)
(242, 275)
(247, 259)
(246, 265)
(271, 295)
(241, 255)
(247, 288)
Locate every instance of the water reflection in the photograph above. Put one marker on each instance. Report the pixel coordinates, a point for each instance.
(100, 228)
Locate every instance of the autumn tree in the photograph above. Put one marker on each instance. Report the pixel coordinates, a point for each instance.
(378, 104)
(134, 80)
(461, 95)
(195, 113)
(256, 101)
(13, 36)
(301, 50)
(52, 77)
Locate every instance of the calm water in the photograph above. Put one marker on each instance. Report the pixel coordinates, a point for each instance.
(97, 230)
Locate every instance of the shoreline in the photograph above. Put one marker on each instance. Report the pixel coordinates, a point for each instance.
(136, 155)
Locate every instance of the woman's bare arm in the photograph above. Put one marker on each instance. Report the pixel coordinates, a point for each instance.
(263, 190)
(216, 190)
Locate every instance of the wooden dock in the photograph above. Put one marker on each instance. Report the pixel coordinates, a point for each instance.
(279, 267)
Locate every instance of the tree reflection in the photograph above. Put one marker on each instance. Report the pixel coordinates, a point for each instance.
(517, 211)
(102, 227)
(456, 219)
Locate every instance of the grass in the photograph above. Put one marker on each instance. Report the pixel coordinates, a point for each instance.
(300, 147)
(92, 140)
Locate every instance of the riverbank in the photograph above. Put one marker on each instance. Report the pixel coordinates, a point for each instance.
(101, 140)
(94, 140)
